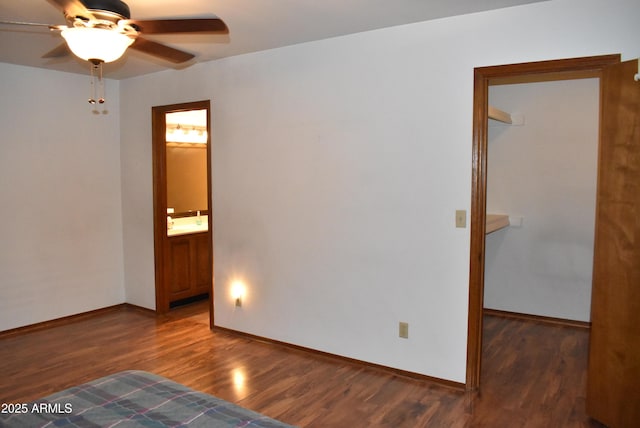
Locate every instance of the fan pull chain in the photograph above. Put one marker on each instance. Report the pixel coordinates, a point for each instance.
(92, 86)
(96, 94)
(101, 99)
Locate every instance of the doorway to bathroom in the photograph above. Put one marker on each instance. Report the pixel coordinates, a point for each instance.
(182, 204)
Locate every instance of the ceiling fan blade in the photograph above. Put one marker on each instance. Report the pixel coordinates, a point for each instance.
(57, 52)
(162, 51)
(167, 26)
(30, 24)
(72, 8)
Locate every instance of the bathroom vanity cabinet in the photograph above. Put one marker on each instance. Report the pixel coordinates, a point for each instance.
(188, 266)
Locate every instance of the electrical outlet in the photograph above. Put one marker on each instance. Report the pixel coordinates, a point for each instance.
(403, 330)
(461, 218)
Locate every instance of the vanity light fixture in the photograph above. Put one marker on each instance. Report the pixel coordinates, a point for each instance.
(194, 134)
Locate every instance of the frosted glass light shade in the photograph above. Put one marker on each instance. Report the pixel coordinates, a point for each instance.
(96, 43)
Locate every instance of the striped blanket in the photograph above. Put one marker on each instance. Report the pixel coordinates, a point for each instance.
(132, 399)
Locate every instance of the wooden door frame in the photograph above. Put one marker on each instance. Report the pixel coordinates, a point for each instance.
(161, 247)
(564, 69)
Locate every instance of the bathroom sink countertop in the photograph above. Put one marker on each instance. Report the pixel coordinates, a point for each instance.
(188, 225)
(186, 229)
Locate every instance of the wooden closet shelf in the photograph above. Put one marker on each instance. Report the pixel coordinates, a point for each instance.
(497, 114)
(496, 222)
(516, 119)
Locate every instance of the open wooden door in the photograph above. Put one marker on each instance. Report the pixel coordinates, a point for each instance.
(613, 379)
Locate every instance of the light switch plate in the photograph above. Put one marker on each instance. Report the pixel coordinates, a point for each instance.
(403, 330)
(461, 218)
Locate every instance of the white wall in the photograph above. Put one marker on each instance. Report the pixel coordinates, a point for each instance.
(337, 169)
(60, 224)
(544, 172)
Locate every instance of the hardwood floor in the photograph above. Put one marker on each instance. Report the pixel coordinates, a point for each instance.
(533, 374)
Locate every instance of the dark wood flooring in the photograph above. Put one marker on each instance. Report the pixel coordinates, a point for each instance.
(533, 374)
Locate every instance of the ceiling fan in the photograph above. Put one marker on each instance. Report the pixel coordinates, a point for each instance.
(100, 31)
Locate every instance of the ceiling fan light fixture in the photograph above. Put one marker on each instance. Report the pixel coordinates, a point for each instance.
(91, 44)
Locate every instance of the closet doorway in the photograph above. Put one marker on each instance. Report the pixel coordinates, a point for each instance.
(485, 77)
(541, 178)
(182, 204)
(615, 314)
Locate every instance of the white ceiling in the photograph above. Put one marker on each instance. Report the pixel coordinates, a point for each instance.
(254, 25)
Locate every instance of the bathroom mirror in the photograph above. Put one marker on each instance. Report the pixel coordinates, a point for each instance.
(186, 162)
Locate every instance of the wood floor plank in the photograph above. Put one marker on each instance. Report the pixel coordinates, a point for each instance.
(534, 375)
